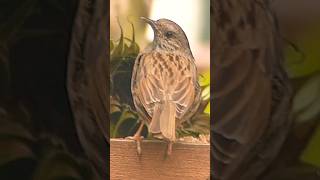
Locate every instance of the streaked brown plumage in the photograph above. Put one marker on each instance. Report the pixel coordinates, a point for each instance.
(164, 82)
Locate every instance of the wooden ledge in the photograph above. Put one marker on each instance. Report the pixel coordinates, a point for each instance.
(188, 161)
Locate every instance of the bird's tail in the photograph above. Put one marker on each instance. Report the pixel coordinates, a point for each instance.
(164, 120)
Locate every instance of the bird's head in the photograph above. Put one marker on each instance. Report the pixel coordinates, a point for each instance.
(168, 35)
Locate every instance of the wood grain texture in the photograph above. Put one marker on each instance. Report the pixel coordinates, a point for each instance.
(188, 161)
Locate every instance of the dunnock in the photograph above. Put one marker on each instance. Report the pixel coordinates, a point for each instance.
(164, 82)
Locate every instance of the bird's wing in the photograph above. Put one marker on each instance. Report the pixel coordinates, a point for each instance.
(186, 91)
(142, 107)
(146, 86)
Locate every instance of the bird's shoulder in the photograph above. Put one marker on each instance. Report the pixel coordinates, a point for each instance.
(165, 57)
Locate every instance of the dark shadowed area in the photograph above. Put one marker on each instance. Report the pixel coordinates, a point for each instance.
(41, 135)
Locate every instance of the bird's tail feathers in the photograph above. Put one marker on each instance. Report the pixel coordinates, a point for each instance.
(164, 120)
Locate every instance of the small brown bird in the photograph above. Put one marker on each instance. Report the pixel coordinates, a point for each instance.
(164, 82)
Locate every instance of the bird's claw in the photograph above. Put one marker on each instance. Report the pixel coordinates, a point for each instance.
(138, 140)
(169, 148)
(135, 138)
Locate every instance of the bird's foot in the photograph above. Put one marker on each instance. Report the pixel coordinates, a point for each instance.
(138, 140)
(169, 148)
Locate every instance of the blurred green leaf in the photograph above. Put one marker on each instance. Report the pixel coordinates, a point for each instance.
(311, 154)
(199, 124)
(111, 45)
(205, 94)
(115, 106)
(117, 52)
(306, 103)
(207, 110)
(126, 49)
(134, 48)
(312, 112)
(299, 66)
(126, 115)
(307, 93)
(204, 79)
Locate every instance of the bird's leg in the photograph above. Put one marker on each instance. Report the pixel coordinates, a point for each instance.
(138, 138)
(169, 148)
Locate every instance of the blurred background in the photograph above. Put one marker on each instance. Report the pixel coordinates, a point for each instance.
(299, 23)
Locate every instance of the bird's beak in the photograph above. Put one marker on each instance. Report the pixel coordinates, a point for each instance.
(151, 22)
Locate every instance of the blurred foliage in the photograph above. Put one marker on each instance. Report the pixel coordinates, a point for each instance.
(123, 53)
(306, 103)
(124, 120)
(204, 81)
(306, 61)
(304, 70)
(299, 157)
(311, 153)
(26, 153)
(306, 113)
(26, 156)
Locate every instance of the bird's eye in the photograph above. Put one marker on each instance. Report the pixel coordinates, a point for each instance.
(169, 34)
